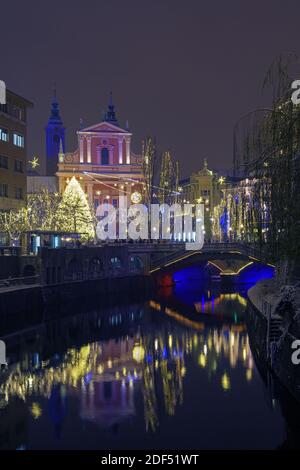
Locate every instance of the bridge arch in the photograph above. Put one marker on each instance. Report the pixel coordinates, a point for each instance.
(29, 270)
(136, 264)
(75, 270)
(95, 268)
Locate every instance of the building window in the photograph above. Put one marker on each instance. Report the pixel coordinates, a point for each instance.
(3, 108)
(4, 135)
(104, 156)
(3, 190)
(19, 166)
(18, 112)
(19, 193)
(3, 162)
(18, 140)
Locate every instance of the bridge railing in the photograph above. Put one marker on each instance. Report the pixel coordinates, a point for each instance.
(213, 247)
(19, 281)
(10, 250)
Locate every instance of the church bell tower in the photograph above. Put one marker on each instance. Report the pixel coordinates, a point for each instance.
(55, 138)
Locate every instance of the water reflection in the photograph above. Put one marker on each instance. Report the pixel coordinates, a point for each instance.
(132, 364)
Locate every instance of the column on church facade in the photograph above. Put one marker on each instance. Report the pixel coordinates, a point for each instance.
(81, 149)
(121, 151)
(127, 151)
(111, 155)
(89, 149)
(60, 185)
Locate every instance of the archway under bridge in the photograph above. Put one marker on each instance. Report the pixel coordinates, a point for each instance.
(228, 262)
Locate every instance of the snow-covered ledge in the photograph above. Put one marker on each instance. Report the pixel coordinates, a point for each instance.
(265, 291)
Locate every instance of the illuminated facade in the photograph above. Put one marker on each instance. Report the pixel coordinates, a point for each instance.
(103, 163)
(13, 151)
(203, 186)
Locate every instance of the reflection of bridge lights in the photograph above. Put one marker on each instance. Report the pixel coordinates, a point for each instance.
(244, 354)
(202, 360)
(249, 375)
(36, 410)
(225, 381)
(149, 358)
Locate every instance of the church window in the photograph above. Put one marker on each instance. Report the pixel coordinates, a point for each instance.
(104, 156)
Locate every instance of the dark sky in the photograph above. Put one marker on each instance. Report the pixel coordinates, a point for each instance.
(184, 71)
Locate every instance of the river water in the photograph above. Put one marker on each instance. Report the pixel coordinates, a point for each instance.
(174, 371)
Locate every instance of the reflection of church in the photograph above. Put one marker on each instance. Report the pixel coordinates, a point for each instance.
(108, 395)
(103, 162)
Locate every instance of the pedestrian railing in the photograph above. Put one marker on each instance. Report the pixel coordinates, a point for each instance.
(19, 281)
(10, 250)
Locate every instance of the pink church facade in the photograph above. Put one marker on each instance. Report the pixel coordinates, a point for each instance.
(104, 164)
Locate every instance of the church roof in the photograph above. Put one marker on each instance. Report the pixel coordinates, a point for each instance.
(55, 118)
(110, 115)
(205, 171)
(104, 127)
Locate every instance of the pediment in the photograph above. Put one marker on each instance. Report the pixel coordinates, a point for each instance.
(105, 127)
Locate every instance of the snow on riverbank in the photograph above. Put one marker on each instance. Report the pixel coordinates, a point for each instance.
(264, 291)
(268, 295)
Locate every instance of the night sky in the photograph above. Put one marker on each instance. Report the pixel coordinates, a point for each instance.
(183, 71)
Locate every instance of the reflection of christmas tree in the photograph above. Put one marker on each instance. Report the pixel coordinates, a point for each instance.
(74, 214)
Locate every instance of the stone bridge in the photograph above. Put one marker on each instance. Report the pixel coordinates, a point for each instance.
(59, 265)
(229, 258)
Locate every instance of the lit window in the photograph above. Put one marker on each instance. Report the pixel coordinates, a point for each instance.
(4, 135)
(18, 140)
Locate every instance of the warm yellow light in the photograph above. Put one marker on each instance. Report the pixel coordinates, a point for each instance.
(225, 381)
(138, 353)
(202, 360)
(249, 375)
(36, 410)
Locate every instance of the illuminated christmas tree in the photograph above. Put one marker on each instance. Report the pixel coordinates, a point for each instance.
(74, 214)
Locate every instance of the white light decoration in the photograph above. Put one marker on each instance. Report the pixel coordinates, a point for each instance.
(136, 197)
